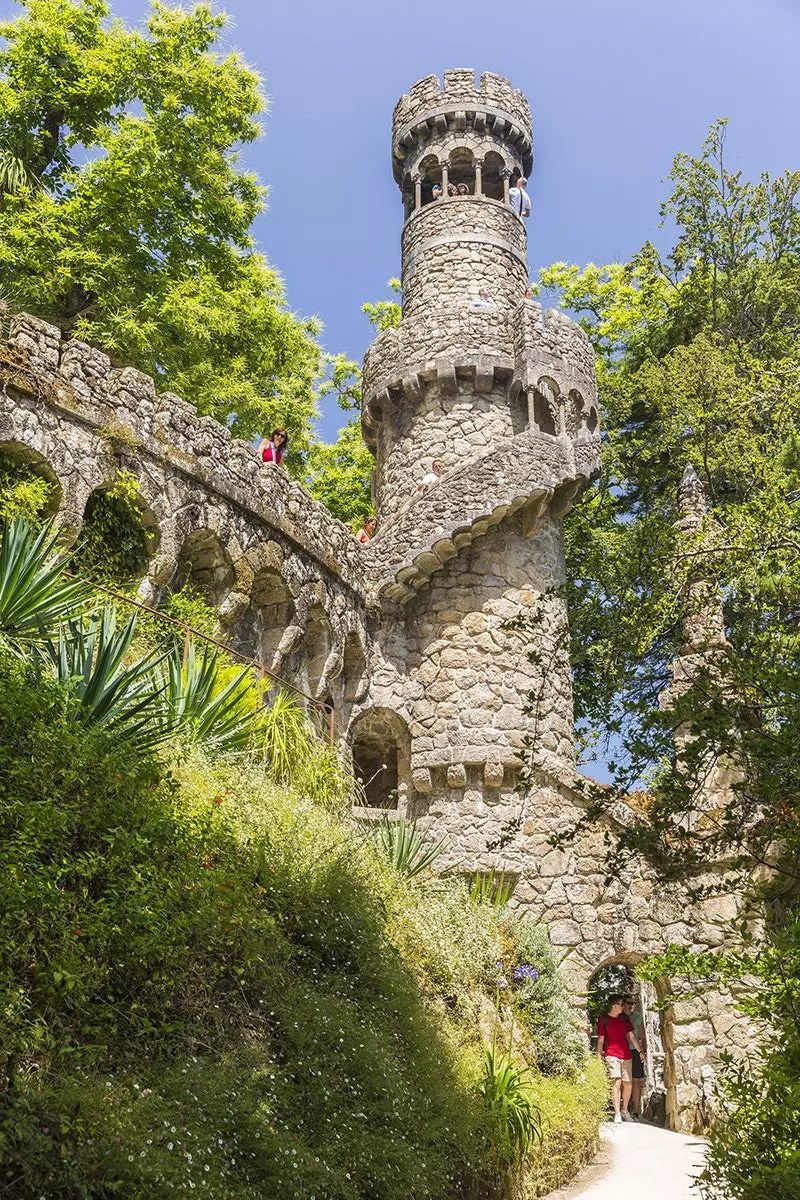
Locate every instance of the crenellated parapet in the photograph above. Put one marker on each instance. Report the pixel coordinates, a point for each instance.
(492, 113)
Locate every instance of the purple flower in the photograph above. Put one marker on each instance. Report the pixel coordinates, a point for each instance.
(501, 983)
(526, 971)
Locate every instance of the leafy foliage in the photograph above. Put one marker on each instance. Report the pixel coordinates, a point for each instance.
(385, 314)
(90, 658)
(203, 708)
(23, 491)
(114, 545)
(218, 982)
(516, 1120)
(34, 595)
(125, 213)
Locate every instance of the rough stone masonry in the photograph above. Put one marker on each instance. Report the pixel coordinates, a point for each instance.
(407, 639)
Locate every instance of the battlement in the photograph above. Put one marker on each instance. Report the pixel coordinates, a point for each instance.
(429, 104)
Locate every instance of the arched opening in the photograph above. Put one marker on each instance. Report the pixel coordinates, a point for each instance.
(545, 406)
(29, 486)
(653, 1074)
(316, 646)
(591, 421)
(119, 534)
(270, 611)
(574, 413)
(354, 672)
(380, 746)
(204, 566)
(461, 171)
(493, 169)
(430, 174)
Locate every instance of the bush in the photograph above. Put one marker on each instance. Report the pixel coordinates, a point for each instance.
(114, 545)
(23, 491)
(200, 986)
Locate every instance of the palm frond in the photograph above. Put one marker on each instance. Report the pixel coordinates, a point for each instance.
(34, 596)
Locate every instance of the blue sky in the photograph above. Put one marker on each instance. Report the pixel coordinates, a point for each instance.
(616, 89)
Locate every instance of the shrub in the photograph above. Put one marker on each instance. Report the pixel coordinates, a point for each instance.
(573, 1111)
(544, 1004)
(114, 545)
(23, 491)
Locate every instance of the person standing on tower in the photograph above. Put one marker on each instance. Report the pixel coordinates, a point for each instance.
(518, 198)
(273, 449)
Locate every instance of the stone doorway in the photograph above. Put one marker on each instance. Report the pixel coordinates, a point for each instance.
(618, 977)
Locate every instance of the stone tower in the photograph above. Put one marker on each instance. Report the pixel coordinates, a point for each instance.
(505, 399)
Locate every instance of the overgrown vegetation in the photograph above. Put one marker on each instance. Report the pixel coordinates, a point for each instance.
(24, 491)
(114, 544)
(699, 363)
(208, 979)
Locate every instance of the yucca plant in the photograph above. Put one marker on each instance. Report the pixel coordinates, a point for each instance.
(90, 658)
(34, 595)
(405, 847)
(200, 707)
(516, 1119)
(492, 888)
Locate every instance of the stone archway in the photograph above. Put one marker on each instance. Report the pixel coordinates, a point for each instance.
(19, 459)
(617, 975)
(380, 745)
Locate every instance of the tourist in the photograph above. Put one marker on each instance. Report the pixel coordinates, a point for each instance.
(484, 300)
(518, 198)
(462, 189)
(637, 1021)
(431, 478)
(436, 191)
(367, 530)
(615, 1037)
(530, 294)
(452, 190)
(274, 448)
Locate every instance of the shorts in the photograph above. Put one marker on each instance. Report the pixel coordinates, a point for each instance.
(638, 1065)
(619, 1068)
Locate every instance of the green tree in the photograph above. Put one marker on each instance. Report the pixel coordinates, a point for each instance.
(125, 212)
(699, 363)
(339, 473)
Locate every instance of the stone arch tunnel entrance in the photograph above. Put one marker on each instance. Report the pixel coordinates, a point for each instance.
(659, 1074)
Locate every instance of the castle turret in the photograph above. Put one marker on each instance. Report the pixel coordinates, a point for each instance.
(472, 363)
(475, 376)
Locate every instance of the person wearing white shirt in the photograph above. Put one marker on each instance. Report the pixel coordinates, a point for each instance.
(518, 198)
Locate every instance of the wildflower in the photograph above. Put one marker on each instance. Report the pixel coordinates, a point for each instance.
(526, 971)
(501, 983)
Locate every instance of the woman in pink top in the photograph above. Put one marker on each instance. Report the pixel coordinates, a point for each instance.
(367, 531)
(273, 450)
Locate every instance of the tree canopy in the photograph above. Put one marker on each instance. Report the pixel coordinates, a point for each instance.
(125, 211)
(699, 363)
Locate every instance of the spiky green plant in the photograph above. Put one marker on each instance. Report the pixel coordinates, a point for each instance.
(516, 1118)
(200, 707)
(15, 175)
(284, 736)
(492, 888)
(405, 847)
(89, 657)
(34, 595)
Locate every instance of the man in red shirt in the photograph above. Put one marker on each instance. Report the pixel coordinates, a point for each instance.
(615, 1037)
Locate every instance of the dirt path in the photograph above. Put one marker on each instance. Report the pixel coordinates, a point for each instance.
(640, 1160)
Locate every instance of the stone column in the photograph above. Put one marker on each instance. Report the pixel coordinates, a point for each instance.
(417, 192)
(445, 181)
(479, 177)
(532, 409)
(506, 185)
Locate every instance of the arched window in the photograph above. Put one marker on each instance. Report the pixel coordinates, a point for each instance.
(591, 421)
(461, 171)
(380, 745)
(493, 168)
(270, 611)
(545, 406)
